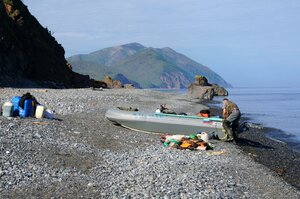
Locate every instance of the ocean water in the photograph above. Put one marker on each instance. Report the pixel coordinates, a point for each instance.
(277, 108)
(272, 107)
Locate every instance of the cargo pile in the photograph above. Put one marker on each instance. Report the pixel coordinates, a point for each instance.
(25, 107)
(197, 141)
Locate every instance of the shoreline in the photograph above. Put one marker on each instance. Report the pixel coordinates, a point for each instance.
(275, 154)
(84, 155)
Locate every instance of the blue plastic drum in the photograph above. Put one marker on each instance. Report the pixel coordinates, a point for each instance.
(28, 109)
(15, 101)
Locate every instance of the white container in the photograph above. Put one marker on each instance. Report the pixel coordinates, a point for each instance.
(39, 112)
(7, 109)
(157, 111)
(205, 136)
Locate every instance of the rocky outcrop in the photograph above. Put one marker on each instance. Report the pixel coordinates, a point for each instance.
(98, 84)
(219, 91)
(201, 81)
(201, 92)
(124, 80)
(29, 54)
(129, 86)
(202, 89)
(109, 81)
(116, 84)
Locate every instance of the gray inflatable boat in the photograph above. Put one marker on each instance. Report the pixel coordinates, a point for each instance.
(165, 123)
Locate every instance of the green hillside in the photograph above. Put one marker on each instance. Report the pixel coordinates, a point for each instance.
(149, 67)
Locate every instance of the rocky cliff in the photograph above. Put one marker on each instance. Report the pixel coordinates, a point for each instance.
(29, 54)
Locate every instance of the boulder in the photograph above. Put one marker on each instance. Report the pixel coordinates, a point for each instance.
(201, 89)
(109, 81)
(113, 83)
(201, 92)
(201, 81)
(98, 84)
(124, 80)
(129, 86)
(219, 91)
(117, 84)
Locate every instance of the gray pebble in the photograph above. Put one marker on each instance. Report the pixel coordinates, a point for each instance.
(84, 155)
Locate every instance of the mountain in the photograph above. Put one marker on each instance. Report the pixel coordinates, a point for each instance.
(109, 56)
(149, 67)
(29, 54)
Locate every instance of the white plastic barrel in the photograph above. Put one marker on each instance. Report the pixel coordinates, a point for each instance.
(39, 112)
(157, 111)
(204, 136)
(7, 109)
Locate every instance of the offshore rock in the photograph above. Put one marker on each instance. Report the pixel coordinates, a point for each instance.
(219, 91)
(201, 92)
(201, 81)
(202, 89)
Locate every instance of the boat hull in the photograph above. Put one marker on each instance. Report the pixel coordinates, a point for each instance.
(165, 123)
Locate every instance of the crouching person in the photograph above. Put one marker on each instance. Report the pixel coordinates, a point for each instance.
(232, 115)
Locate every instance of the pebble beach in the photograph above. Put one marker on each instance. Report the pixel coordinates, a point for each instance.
(81, 154)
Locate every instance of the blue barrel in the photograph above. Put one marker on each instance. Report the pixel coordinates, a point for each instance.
(28, 109)
(15, 100)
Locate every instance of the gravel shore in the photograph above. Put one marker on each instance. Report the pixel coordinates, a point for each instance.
(83, 155)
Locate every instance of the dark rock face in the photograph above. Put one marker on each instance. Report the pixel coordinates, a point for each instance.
(117, 84)
(29, 54)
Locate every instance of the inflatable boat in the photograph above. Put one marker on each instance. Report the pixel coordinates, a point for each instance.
(165, 123)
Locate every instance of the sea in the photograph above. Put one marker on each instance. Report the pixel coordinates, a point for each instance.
(277, 108)
(274, 107)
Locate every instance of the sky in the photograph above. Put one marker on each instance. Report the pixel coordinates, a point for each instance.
(249, 43)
